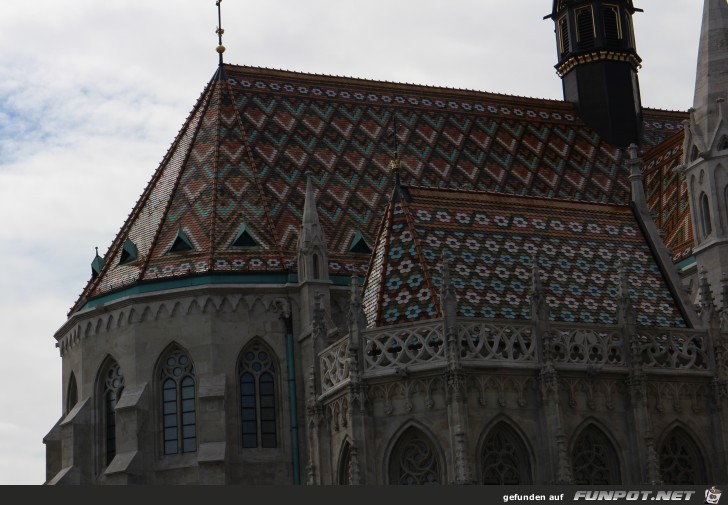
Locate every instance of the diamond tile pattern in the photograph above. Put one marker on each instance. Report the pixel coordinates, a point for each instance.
(490, 241)
(667, 196)
(242, 155)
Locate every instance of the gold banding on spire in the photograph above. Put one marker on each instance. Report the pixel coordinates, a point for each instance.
(219, 31)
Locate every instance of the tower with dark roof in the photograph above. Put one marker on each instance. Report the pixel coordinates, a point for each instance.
(518, 319)
(705, 147)
(598, 64)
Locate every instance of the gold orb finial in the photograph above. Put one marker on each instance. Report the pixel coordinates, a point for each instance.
(220, 49)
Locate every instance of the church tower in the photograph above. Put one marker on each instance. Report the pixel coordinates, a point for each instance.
(598, 63)
(705, 150)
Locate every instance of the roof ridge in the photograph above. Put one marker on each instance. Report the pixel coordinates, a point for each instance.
(421, 257)
(367, 81)
(117, 242)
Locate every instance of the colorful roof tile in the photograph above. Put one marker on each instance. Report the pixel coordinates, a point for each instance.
(667, 195)
(241, 156)
(490, 242)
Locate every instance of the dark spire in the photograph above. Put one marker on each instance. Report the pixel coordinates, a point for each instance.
(711, 81)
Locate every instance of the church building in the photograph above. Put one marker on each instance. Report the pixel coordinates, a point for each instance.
(332, 281)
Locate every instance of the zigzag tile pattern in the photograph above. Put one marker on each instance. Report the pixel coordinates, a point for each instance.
(490, 242)
(667, 196)
(242, 156)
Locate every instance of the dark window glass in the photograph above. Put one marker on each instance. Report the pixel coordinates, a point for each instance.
(112, 387)
(564, 39)
(178, 403)
(585, 27)
(257, 397)
(612, 31)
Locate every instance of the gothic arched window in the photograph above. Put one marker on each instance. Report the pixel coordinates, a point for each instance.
(111, 385)
(414, 461)
(504, 458)
(72, 396)
(316, 267)
(345, 465)
(705, 215)
(563, 34)
(179, 412)
(585, 33)
(594, 460)
(257, 375)
(681, 462)
(612, 26)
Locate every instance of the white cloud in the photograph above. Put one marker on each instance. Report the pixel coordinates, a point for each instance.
(93, 93)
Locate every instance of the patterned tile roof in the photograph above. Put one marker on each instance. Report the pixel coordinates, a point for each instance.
(239, 162)
(667, 195)
(490, 241)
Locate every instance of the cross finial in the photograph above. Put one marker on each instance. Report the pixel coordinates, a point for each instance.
(219, 31)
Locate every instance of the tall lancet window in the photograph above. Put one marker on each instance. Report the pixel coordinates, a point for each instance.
(111, 387)
(72, 396)
(177, 377)
(705, 215)
(257, 372)
(316, 267)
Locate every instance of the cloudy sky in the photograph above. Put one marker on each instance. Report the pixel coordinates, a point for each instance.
(92, 93)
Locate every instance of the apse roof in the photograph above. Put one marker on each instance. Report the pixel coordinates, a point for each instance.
(491, 241)
(239, 163)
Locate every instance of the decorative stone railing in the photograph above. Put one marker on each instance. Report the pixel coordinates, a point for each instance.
(482, 340)
(404, 345)
(334, 365)
(674, 349)
(594, 345)
(419, 346)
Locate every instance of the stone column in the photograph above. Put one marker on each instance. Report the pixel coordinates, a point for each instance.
(212, 426)
(457, 407)
(718, 329)
(644, 456)
(132, 449)
(554, 439)
(358, 404)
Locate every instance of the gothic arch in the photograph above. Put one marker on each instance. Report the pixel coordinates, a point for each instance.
(71, 393)
(258, 378)
(176, 389)
(682, 460)
(705, 222)
(109, 388)
(720, 176)
(414, 458)
(504, 456)
(594, 457)
(344, 464)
